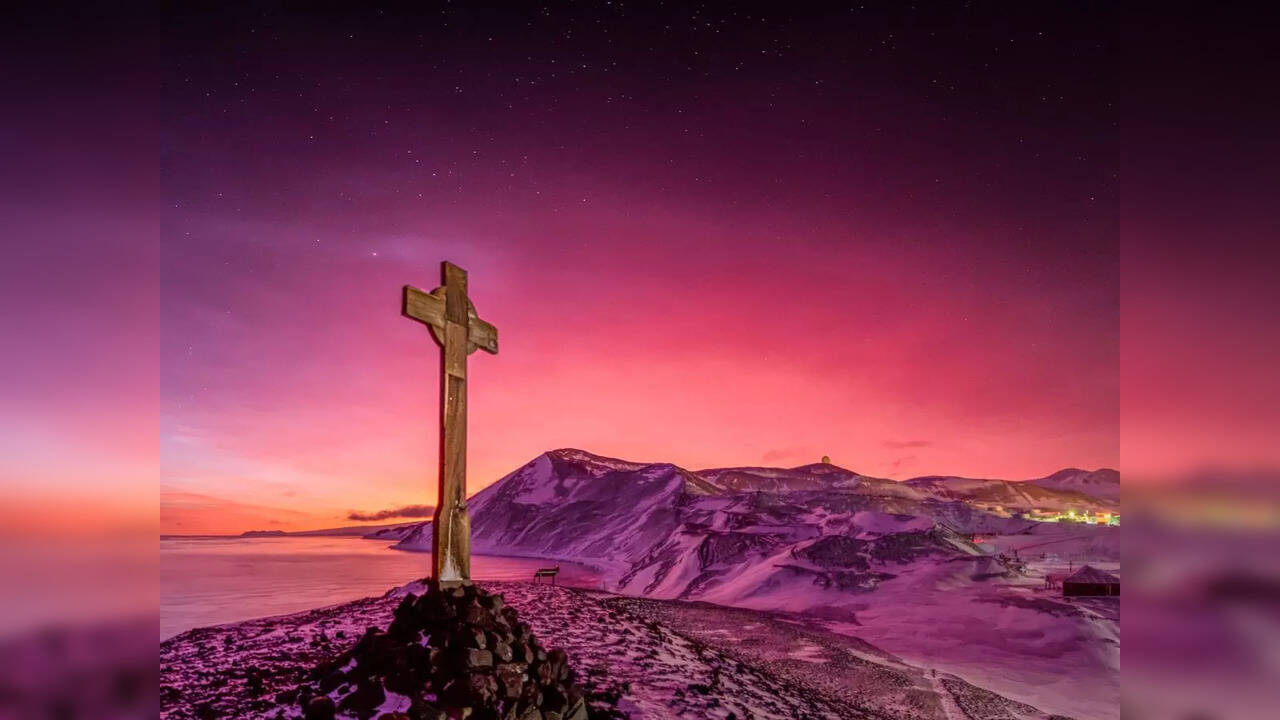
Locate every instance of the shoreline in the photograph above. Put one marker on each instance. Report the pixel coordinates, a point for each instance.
(212, 582)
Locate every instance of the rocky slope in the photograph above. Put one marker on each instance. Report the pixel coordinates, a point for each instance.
(654, 659)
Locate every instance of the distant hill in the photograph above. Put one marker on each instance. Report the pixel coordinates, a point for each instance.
(1012, 495)
(354, 530)
(1104, 483)
(369, 531)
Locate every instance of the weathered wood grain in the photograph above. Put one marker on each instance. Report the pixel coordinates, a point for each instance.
(428, 308)
(455, 325)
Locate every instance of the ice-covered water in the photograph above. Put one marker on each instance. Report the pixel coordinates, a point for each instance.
(209, 581)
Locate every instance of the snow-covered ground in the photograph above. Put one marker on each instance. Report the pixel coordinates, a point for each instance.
(843, 567)
(659, 659)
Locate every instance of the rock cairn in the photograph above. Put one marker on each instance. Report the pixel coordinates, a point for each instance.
(455, 653)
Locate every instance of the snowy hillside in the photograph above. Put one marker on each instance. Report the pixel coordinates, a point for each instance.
(395, 532)
(659, 530)
(796, 539)
(1104, 483)
(1014, 495)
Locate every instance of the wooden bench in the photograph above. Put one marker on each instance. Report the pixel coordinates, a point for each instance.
(547, 573)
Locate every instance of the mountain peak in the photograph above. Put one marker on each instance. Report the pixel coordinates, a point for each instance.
(820, 468)
(1103, 482)
(564, 473)
(1102, 474)
(590, 460)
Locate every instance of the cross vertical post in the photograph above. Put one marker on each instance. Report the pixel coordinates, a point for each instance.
(453, 321)
(451, 529)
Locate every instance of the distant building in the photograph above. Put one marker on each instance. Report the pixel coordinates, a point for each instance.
(1085, 516)
(1090, 581)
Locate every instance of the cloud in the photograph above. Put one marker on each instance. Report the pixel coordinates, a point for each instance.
(177, 500)
(905, 444)
(777, 454)
(405, 511)
(902, 463)
(199, 513)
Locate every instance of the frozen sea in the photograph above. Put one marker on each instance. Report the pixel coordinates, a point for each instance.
(214, 580)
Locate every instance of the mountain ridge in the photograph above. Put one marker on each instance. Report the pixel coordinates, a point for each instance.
(1060, 479)
(658, 528)
(569, 468)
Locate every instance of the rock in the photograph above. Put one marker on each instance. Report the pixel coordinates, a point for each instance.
(530, 696)
(557, 665)
(477, 616)
(332, 681)
(520, 651)
(368, 696)
(455, 653)
(321, 669)
(577, 710)
(511, 677)
(502, 652)
(473, 658)
(427, 711)
(553, 699)
(434, 608)
(320, 708)
(482, 690)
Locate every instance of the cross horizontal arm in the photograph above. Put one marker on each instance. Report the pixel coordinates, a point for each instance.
(428, 308)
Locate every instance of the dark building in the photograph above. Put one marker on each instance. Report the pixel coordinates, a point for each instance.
(1090, 581)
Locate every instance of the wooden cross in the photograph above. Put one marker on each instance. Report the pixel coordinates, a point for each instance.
(454, 324)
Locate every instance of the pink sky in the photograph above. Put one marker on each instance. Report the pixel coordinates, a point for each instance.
(765, 260)
(696, 273)
(296, 393)
(909, 256)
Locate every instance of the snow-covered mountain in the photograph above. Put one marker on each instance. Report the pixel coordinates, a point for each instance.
(1016, 495)
(662, 531)
(1104, 483)
(573, 505)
